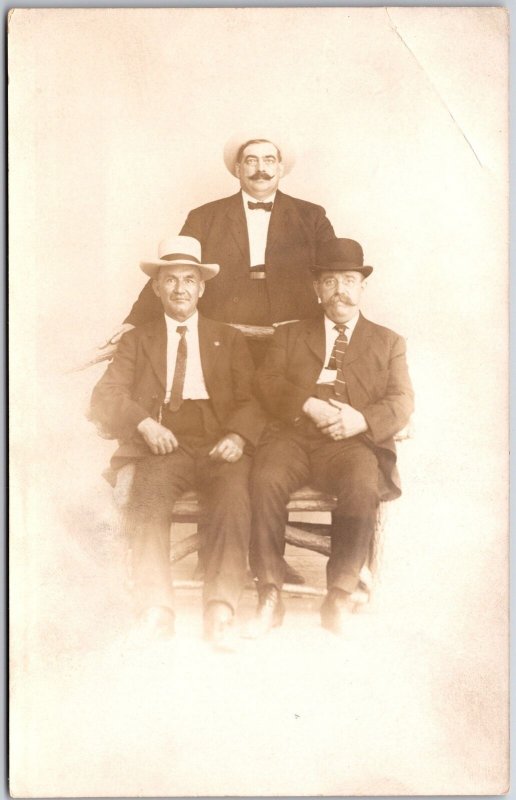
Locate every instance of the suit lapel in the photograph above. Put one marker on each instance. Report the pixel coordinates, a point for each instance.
(315, 339)
(278, 224)
(210, 348)
(359, 341)
(155, 345)
(238, 226)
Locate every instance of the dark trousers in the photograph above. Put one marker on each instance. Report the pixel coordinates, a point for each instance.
(225, 516)
(347, 469)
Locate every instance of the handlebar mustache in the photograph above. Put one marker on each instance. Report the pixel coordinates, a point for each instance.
(260, 176)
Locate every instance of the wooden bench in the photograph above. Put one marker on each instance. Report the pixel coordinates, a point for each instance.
(314, 536)
(309, 535)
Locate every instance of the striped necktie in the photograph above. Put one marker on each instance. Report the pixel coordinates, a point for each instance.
(337, 360)
(176, 394)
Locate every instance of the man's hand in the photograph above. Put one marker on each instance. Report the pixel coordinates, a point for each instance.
(117, 335)
(160, 440)
(320, 412)
(350, 422)
(229, 448)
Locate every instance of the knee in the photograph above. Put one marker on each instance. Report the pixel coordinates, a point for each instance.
(357, 500)
(269, 480)
(154, 489)
(357, 493)
(231, 482)
(147, 508)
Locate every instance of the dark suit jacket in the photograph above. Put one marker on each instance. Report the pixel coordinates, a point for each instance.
(295, 229)
(133, 386)
(376, 375)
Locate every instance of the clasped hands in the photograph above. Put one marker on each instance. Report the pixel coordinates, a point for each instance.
(161, 440)
(335, 419)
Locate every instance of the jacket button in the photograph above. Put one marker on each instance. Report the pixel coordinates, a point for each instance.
(236, 299)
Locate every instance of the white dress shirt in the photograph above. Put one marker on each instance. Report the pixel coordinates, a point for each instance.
(257, 227)
(194, 387)
(330, 375)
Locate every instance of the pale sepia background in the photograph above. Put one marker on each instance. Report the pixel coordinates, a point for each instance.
(117, 119)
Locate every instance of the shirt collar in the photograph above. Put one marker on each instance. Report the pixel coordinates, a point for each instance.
(350, 325)
(247, 198)
(191, 323)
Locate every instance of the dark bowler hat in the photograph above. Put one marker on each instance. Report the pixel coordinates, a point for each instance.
(340, 255)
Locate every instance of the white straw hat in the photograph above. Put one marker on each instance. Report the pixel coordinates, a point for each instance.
(180, 251)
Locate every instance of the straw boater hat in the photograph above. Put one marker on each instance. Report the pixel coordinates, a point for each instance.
(235, 143)
(179, 251)
(340, 255)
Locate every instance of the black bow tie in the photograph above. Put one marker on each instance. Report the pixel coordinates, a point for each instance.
(264, 206)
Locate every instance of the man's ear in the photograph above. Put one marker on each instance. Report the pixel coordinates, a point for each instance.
(201, 288)
(237, 169)
(155, 287)
(281, 169)
(315, 284)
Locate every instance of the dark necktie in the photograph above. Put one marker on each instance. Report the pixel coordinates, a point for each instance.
(264, 206)
(176, 394)
(337, 360)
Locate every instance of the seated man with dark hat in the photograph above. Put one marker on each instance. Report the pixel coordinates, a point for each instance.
(179, 395)
(339, 390)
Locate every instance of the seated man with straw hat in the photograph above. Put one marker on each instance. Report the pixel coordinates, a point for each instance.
(178, 395)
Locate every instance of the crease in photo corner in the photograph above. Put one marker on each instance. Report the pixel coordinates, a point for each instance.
(403, 40)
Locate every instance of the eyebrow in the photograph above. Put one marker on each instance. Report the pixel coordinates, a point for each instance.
(332, 275)
(267, 155)
(190, 274)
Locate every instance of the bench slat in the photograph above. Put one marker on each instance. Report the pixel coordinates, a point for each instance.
(306, 499)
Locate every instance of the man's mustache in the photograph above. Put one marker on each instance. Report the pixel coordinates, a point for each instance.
(260, 176)
(342, 298)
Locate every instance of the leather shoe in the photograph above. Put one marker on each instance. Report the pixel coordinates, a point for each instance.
(155, 623)
(335, 611)
(218, 626)
(269, 614)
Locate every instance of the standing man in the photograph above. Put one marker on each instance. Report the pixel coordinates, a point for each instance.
(178, 395)
(339, 390)
(265, 242)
